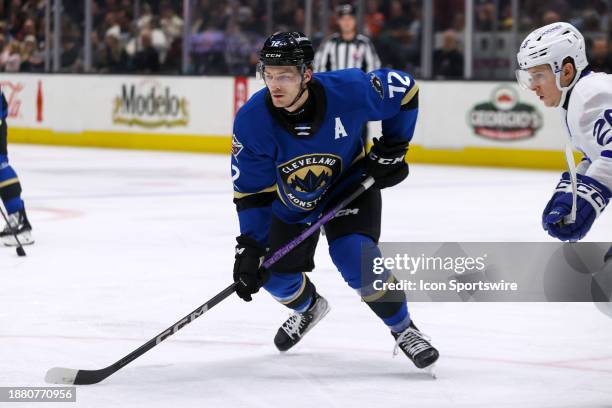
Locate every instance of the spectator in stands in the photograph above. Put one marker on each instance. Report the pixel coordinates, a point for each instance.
(146, 60)
(220, 48)
(447, 60)
(3, 51)
(484, 16)
(146, 14)
(601, 56)
(28, 28)
(108, 24)
(590, 21)
(550, 16)
(394, 41)
(174, 58)
(160, 38)
(125, 21)
(70, 60)
(32, 60)
(459, 22)
(506, 19)
(112, 58)
(374, 19)
(414, 29)
(208, 49)
(171, 24)
(284, 16)
(13, 60)
(237, 50)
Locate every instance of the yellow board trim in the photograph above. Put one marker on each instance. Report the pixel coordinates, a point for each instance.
(468, 156)
(492, 157)
(124, 140)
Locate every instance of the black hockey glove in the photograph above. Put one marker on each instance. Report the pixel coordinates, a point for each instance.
(248, 273)
(386, 162)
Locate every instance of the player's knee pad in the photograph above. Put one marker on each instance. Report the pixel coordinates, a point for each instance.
(293, 290)
(348, 252)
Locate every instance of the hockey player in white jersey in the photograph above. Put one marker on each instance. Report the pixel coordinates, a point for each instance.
(553, 64)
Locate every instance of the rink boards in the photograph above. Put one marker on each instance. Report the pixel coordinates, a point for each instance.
(460, 122)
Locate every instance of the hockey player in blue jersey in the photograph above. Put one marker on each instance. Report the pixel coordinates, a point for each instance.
(10, 190)
(296, 149)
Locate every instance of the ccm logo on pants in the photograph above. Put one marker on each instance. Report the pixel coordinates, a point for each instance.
(347, 211)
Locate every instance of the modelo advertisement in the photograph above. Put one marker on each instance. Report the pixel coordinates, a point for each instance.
(166, 105)
(150, 104)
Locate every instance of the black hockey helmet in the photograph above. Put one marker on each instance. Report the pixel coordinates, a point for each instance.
(345, 10)
(287, 49)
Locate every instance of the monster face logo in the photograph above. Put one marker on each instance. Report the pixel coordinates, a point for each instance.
(376, 84)
(306, 178)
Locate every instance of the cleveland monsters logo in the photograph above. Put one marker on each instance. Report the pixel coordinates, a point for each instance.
(306, 178)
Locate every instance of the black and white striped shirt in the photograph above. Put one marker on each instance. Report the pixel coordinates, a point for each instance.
(335, 53)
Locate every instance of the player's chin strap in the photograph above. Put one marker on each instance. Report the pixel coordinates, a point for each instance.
(566, 89)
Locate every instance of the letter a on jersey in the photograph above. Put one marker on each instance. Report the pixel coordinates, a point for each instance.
(340, 132)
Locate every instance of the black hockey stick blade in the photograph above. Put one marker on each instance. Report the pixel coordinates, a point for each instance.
(70, 376)
(62, 375)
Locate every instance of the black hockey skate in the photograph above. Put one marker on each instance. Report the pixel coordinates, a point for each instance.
(299, 324)
(416, 346)
(18, 224)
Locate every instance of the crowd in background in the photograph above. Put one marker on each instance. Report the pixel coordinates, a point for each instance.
(225, 35)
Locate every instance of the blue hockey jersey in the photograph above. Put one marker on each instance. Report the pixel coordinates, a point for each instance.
(288, 170)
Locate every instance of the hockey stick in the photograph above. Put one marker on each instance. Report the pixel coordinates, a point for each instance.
(61, 375)
(20, 250)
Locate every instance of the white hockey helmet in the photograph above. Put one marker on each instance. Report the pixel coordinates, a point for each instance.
(550, 45)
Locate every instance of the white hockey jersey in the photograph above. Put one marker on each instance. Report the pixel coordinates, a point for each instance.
(588, 116)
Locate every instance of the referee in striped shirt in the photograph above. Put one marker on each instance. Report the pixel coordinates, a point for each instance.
(346, 49)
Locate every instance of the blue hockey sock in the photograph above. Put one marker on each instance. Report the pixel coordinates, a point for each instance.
(348, 253)
(293, 290)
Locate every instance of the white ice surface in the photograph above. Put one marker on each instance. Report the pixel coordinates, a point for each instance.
(128, 242)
